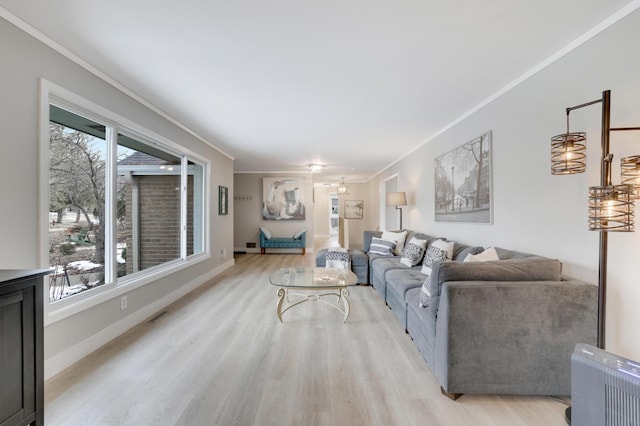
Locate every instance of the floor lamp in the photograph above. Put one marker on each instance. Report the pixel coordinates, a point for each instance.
(397, 199)
(610, 206)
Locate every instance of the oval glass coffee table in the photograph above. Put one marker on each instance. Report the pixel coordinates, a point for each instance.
(324, 282)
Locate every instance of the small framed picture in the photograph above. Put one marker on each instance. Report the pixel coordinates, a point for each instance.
(353, 209)
(223, 200)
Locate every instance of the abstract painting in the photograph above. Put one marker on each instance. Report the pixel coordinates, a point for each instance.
(282, 199)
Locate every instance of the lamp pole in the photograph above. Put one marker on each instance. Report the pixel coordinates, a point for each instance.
(605, 179)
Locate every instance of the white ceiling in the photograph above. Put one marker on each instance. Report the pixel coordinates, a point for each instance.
(353, 84)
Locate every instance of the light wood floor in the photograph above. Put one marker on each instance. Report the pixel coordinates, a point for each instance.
(219, 356)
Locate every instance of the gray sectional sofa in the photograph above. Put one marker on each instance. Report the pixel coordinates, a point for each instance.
(506, 326)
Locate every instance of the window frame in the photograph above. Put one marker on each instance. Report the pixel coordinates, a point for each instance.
(52, 94)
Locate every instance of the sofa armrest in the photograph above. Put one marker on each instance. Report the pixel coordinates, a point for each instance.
(512, 337)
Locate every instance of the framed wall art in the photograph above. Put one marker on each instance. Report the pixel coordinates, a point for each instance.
(223, 200)
(463, 188)
(353, 209)
(282, 199)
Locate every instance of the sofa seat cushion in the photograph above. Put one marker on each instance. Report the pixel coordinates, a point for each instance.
(379, 267)
(399, 281)
(283, 242)
(421, 326)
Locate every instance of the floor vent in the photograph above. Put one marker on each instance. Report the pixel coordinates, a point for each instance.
(157, 317)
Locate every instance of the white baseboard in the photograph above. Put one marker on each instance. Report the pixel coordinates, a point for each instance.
(75, 353)
(247, 250)
(273, 250)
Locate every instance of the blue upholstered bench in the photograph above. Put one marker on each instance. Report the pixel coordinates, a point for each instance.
(268, 241)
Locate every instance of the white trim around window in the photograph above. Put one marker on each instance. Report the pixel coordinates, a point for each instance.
(56, 95)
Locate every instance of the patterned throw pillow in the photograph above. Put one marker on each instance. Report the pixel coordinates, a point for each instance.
(413, 252)
(425, 294)
(338, 257)
(382, 247)
(440, 250)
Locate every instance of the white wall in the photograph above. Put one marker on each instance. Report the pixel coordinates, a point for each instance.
(24, 61)
(534, 211)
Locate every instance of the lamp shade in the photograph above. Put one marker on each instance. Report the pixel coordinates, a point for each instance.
(611, 208)
(396, 199)
(568, 153)
(630, 171)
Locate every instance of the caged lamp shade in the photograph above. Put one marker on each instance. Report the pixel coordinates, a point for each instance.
(568, 153)
(630, 171)
(611, 208)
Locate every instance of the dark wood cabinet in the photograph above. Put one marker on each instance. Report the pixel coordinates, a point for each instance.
(21, 347)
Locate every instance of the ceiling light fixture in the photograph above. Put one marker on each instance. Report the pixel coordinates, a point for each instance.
(314, 168)
(342, 188)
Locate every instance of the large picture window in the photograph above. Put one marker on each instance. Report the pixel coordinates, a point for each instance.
(120, 203)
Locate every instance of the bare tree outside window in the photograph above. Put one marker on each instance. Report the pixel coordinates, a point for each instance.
(76, 203)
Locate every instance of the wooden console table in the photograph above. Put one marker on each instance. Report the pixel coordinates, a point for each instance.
(21, 347)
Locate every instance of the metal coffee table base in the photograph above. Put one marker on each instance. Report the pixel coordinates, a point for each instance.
(341, 305)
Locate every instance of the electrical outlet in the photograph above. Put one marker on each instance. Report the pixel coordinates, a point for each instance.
(223, 253)
(123, 303)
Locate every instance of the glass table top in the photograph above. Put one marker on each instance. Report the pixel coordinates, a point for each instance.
(313, 278)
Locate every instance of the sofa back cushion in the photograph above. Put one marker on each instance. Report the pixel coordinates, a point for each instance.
(504, 254)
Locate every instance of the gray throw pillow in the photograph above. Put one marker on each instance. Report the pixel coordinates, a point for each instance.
(382, 247)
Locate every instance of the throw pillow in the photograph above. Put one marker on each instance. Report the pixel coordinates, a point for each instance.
(439, 250)
(382, 247)
(487, 255)
(396, 237)
(299, 234)
(413, 252)
(267, 234)
(425, 294)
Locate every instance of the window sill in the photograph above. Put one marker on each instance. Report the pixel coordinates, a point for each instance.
(72, 305)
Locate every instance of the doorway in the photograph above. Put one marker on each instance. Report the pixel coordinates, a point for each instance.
(389, 218)
(334, 216)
